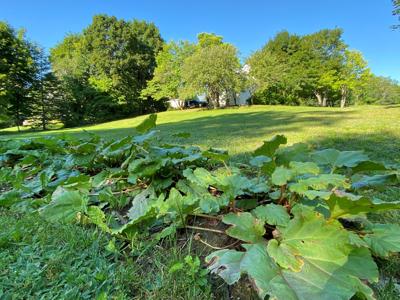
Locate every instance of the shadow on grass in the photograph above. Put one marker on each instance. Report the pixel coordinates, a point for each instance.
(382, 146)
(392, 106)
(239, 127)
(227, 124)
(230, 125)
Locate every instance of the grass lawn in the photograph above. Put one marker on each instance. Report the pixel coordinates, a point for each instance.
(53, 261)
(374, 129)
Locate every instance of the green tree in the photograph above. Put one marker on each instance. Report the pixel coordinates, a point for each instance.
(354, 72)
(274, 71)
(322, 59)
(45, 92)
(294, 69)
(167, 80)
(121, 55)
(17, 72)
(379, 90)
(213, 69)
(109, 62)
(206, 39)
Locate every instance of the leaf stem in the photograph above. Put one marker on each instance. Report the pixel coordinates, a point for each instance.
(205, 229)
(215, 247)
(207, 216)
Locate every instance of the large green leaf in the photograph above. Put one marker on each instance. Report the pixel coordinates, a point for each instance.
(200, 176)
(309, 237)
(97, 217)
(245, 227)
(269, 147)
(216, 154)
(260, 160)
(320, 280)
(272, 214)
(199, 195)
(319, 186)
(145, 167)
(65, 206)
(117, 148)
(285, 255)
(375, 181)
(384, 239)
(281, 175)
(304, 167)
(296, 152)
(344, 204)
(147, 124)
(337, 159)
(226, 263)
(325, 181)
(175, 206)
(141, 206)
(233, 185)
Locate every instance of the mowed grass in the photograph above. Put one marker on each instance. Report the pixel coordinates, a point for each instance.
(374, 129)
(41, 260)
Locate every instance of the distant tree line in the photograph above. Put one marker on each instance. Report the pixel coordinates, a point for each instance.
(116, 68)
(316, 69)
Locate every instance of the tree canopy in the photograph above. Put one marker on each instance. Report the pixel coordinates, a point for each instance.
(167, 81)
(211, 68)
(17, 72)
(108, 64)
(294, 69)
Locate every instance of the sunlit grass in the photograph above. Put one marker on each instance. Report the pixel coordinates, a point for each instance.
(374, 129)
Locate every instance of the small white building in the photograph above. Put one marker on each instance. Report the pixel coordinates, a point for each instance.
(176, 103)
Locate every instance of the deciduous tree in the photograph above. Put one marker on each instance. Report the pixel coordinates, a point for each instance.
(17, 71)
(167, 80)
(213, 69)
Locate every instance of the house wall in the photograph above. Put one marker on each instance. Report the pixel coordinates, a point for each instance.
(176, 103)
(225, 99)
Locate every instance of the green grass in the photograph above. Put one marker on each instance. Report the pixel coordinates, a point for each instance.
(40, 260)
(374, 129)
(53, 261)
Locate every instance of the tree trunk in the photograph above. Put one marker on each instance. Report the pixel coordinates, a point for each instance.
(18, 116)
(214, 99)
(319, 98)
(217, 100)
(344, 97)
(324, 100)
(43, 108)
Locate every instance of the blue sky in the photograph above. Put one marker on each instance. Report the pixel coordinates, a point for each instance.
(247, 24)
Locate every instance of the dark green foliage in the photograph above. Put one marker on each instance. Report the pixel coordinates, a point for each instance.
(293, 70)
(379, 90)
(105, 68)
(17, 73)
(46, 94)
